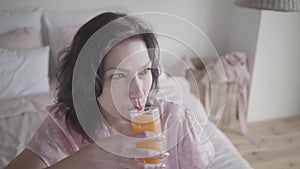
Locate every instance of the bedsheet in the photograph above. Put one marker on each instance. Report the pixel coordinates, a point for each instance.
(19, 119)
(226, 155)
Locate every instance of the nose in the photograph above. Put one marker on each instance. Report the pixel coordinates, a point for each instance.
(136, 88)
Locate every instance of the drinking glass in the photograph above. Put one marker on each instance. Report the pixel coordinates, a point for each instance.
(148, 120)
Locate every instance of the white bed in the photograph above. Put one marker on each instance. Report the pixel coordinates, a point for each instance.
(21, 117)
(25, 91)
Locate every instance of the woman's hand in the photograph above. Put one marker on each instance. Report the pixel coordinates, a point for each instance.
(153, 166)
(120, 151)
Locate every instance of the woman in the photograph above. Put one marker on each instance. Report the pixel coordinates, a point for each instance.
(125, 81)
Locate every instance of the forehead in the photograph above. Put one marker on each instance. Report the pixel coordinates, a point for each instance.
(128, 54)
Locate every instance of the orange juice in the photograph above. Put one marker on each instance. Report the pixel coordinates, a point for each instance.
(147, 121)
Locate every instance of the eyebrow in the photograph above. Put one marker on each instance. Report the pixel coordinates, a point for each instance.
(125, 70)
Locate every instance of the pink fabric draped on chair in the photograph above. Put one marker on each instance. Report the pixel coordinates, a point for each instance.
(234, 67)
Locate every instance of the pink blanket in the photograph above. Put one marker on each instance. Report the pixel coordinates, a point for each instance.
(231, 68)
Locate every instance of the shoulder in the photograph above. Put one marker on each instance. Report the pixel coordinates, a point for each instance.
(170, 108)
(54, 141)
(56, 114)
(57, 120)
(174, 115)
(166, 107)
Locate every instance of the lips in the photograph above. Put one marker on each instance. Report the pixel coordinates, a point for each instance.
(136, 109)
(138, 105)
(139, 108)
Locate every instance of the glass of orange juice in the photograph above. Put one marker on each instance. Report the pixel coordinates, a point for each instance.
(148, 120)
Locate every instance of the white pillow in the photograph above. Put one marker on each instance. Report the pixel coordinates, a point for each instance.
(22, 38)
(23, 72)
(54, 21)
(11, 20)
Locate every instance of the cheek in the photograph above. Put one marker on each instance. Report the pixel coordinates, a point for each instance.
(148, 84)
(105, 100)
(111, 97)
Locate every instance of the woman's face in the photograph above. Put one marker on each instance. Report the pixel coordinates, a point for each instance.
(127, 79)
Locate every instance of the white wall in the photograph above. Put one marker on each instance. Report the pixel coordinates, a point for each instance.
(271, 40)
(211, 16)
(243, 32)
(276, 77)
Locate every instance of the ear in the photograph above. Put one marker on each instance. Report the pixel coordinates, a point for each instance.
(99, 100)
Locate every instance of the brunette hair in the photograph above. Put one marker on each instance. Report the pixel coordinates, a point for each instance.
(70, 54)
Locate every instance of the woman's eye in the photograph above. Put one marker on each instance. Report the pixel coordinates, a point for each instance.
(117, 76)
(145, 71)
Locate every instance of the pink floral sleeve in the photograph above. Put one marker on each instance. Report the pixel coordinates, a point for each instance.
(191, 148)
(54, 141)
(195, 150)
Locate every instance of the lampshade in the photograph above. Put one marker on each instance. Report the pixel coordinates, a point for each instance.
(276, 5)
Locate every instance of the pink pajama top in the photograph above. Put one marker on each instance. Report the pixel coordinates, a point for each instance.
(54, 141)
